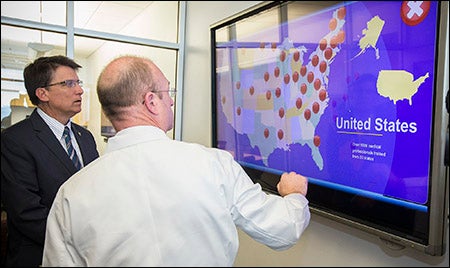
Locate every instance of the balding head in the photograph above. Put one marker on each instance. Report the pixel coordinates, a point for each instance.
(133, 91)
(123, 83)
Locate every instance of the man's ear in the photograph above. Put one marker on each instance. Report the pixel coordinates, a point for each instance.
(151, 102)
(41, 93)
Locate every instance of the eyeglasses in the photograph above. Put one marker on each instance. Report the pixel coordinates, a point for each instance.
(67, 83)
(172, 92)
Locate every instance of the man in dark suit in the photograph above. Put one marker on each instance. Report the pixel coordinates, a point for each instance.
(34, 155)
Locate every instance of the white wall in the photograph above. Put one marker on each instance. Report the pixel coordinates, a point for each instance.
(325, 242)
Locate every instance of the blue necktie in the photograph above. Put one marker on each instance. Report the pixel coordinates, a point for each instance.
(70, 150)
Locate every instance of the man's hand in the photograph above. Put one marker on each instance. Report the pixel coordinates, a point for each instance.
(292, 183)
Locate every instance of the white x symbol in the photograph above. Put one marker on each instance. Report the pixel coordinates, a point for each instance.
(414, 8)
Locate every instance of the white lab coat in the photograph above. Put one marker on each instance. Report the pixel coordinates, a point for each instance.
(153, 201)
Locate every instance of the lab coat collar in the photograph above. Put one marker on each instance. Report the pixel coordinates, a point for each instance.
(134, 135)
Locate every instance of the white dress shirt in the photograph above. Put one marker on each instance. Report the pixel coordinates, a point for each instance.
(57, 128)
(153, 201)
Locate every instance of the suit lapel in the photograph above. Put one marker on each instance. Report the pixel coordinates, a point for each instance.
(45, 134)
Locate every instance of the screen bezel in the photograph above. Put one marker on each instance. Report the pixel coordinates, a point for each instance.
(433, 241)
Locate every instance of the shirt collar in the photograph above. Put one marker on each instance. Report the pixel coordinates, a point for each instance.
(134, 135)
(56, 127)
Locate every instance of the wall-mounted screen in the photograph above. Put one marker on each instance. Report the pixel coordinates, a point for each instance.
(349, 94)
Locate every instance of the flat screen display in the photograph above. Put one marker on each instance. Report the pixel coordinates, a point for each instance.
(346, 94)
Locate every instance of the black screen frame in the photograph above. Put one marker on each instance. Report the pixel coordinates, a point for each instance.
(400, 225)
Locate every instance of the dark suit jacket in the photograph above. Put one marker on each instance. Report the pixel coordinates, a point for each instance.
(34, 165)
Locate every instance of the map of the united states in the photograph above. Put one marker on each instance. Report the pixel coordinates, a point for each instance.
(281, 95)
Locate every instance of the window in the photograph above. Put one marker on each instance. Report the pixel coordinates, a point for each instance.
(96, 32)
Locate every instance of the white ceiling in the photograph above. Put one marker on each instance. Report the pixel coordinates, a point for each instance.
(105, 16)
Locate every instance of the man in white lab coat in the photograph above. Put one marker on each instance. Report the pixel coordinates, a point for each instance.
(154, 201)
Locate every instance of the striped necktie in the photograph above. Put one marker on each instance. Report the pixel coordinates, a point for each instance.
(70, 150)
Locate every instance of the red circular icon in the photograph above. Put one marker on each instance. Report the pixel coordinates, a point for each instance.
(281, 112)
(276, 71)
(303, 70)
(322, 94)
(317, 84)
(414, 12)
(296, 55)
(307, 114)
(266, 76)
(283, 55)
(315, 107)
(280, 134)
(298, 103)
(323, 66)
(303, 88)
(310, 77)
(328, 53)
(295, 76)
(268, 94)
(316, 140)
(278, 92)
(315, 60)
(287, 78)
